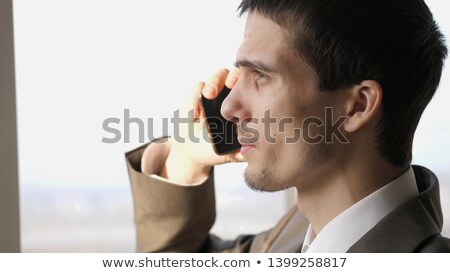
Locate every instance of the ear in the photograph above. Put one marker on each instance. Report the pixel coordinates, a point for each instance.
(363, 105)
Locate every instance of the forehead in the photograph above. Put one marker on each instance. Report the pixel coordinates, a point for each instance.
(265, 41)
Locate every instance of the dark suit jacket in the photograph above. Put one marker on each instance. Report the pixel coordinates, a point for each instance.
(171, 218)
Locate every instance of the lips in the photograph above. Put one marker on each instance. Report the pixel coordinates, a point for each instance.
(247, 141)
(246, 149)
(247, 146)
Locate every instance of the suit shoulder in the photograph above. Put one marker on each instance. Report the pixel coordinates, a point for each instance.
(435, 244)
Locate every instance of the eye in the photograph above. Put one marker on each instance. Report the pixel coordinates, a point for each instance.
(260, 75)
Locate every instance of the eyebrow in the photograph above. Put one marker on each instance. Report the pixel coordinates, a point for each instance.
(257, 65)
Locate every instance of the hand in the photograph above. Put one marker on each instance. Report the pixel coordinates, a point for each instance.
(191, 161)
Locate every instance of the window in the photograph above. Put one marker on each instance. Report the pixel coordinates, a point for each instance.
(81, 62)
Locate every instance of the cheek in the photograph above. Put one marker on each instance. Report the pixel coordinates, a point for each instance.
(281, 111)
(275, 127)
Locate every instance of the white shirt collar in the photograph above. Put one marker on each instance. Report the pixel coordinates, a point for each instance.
(349, 226)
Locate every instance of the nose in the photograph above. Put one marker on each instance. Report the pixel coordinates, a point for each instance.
(235, 106)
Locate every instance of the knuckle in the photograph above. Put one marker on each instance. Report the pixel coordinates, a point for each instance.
(223, 71)
(198, 86)
(220, 76)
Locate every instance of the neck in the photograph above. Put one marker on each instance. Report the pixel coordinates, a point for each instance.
(337, 188)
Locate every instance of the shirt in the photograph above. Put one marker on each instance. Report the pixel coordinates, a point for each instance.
(349, 226)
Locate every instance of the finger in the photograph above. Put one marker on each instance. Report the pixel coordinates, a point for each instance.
(233, 77)
(195, 96)
(215, 84)
(235, 157)
(239, 157)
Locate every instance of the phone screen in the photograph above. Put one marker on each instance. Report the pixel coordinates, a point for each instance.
(223, 133)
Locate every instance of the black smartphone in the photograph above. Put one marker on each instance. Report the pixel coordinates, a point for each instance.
(223, 133)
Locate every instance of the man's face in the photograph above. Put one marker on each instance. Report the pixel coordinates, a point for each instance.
(276, 92)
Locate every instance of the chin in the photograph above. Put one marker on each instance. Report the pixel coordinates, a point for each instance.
(263, 180)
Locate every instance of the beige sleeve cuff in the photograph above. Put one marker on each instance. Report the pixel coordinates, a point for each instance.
(169, 217)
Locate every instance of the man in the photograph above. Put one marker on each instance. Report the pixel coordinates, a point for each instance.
(302, 66)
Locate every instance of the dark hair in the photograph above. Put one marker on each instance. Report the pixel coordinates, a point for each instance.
(394, 42)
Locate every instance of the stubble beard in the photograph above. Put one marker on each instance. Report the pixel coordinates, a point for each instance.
(265, 179)
(262, 181)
